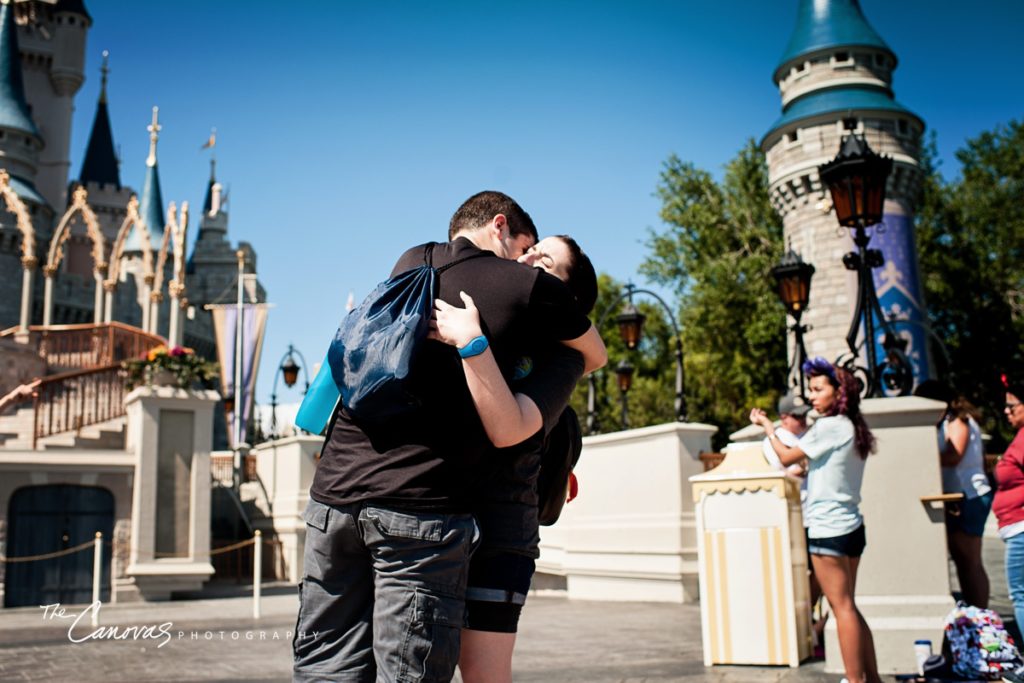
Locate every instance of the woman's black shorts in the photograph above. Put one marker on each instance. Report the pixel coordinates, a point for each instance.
(498, 584)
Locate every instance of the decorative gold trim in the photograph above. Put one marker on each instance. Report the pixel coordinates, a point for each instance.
(767, 563)
(24, 222)
(79, 205)
(724, 583)
(779, 485)
(780, 601)
(131, 219)
(714, 618)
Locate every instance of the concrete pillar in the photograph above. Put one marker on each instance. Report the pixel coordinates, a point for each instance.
(97, 316)
(144, 303)
(170, 433)
(108, 302)
(47, 296)
(285, 468)
(26, 299)
(631, 534)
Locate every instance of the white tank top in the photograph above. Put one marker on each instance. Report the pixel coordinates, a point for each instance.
(969, 476)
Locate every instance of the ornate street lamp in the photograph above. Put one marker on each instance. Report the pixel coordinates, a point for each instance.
(288, 369)
(856, 180)
(631, 322)
(624, 375)
(631, 325)
(793, 283)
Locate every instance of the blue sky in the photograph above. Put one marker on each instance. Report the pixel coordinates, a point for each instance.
(348, 131)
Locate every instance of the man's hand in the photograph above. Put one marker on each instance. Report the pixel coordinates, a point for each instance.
(455, 326)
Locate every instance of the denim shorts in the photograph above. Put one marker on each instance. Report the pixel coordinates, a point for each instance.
(847, 545)
(969, 515)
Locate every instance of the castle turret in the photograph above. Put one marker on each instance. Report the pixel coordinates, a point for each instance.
(835, 77)
(20, 141)
(100, 165)
(52, 40)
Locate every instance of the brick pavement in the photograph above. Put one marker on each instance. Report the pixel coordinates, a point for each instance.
(560, 641)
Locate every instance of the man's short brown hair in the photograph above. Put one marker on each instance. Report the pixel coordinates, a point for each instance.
(481, 208)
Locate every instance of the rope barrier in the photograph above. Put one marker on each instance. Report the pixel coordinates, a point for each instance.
(110, 544)
(47, 556)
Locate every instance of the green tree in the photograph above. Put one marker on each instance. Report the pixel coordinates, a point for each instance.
(652, 395)
(970, 239)
(716, 255)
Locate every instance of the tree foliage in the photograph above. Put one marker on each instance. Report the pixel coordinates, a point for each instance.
(651, 399)
(716, 255)
(970, 239)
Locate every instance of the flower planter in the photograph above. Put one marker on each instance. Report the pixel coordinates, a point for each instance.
(164, 378)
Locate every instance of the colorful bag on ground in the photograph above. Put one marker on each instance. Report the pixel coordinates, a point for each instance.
(979, 644)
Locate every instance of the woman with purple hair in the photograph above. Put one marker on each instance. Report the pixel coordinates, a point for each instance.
(837, 444)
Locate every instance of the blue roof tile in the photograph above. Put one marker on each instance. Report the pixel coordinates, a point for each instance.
(832, 100)
(13, 107)
(823, 24)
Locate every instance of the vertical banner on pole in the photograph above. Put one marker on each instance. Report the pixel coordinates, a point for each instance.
(225, 320)
(899, 290)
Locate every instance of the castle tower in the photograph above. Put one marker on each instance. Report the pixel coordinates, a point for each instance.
(836, 73)
(20, 146)
(212, 268)
(101, 177)
(52, 41)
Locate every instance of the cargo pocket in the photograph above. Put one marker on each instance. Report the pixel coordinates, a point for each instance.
(432, 640)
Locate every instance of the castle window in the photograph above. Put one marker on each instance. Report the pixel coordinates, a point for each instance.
(842, 59)
(801, 67)
(903, 127)
(793, 136)
(879, 60)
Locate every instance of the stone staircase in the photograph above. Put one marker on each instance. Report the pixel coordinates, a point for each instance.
(16, 434)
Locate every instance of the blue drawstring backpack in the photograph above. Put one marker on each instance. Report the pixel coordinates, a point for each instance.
(373, 350)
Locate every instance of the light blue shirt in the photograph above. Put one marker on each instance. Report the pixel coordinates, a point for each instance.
(833, 479)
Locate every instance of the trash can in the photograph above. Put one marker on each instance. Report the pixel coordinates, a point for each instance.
(752, 554)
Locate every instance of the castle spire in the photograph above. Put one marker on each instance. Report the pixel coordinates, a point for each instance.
(151, 203)
(100, 164)
(13, 106)
(154, 135)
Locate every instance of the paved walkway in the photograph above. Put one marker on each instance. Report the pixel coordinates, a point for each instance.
(217, 640)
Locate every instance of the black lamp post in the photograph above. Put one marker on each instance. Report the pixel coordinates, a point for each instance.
(624, 375)
(856, 180)
(793, 282)
(288, 369)
(631, 322)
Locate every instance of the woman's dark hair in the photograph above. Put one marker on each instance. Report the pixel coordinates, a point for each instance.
(847, 401)
(582, 279)
(1015, 387)
(957, 406)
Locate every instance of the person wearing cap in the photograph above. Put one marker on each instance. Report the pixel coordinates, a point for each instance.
(792, 423)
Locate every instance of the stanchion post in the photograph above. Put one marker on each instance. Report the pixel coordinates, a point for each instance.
(97, 568)
(257, 565)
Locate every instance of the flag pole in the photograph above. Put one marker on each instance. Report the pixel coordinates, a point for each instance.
(238, 372)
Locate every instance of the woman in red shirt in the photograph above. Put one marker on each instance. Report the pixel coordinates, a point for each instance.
(1008, 504)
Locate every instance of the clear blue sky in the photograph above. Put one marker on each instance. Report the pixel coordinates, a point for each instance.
(348, 131)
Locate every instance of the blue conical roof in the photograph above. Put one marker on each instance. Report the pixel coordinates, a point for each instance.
(100, 165)
(151, 202)
(824, 24)
(13, 107)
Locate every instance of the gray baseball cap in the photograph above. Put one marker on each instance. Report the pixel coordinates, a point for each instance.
(793, 404)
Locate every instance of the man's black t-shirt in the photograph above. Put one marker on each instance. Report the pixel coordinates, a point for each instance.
(429, 458)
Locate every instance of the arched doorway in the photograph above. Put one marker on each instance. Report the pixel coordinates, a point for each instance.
(44, 519)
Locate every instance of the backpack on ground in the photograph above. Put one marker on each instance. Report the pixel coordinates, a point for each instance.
(561, 452)
(979, 644)
(373, 350)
